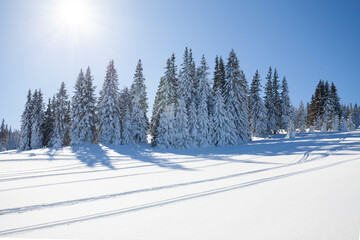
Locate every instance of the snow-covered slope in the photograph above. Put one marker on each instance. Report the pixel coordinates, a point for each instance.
(303, 188)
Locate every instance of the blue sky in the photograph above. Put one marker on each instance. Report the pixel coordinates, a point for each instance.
(305, 40)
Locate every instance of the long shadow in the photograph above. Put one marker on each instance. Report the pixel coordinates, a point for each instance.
(165, 202)
(92, 155)
(144, 153)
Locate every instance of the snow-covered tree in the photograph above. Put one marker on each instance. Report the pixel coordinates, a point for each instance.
(277, 101)
(62, 119)
(350, 122)
(285, 104)
(335, 123)
(181, 130)
(37, 120)
(343, 125)
(139, 121)
(127, 136)
(269, 103)
(235, 96)
(223, 125)
(83, 129)
(165, 127)
(48, 125)
(108, 109)
(257, 108)
(203, 115)
(219, 75)
(26, 124)
(166, 96)
(186, 79)
(192, 125)
(290, 129)
(3, 136)
(301, 118)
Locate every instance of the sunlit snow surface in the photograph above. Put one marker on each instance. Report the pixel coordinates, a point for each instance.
(302, 188)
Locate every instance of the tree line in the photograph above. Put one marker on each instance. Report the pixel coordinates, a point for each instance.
(190, 109)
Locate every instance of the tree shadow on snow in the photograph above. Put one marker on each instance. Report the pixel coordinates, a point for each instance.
(92, 155)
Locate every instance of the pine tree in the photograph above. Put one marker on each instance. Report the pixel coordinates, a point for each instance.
(301, 118)
(127, 135)
(350, 121)
(335, 124)
(276, 101)
(235, 96)
(203, 115)
(223, 125)
(108, 109)
(165, 128)
(285, 104)
(290, 129)
(257, 108)
(26, 124)
(181, 130)
(219, 75)
(343, 125)
(62, 119)
(37, 120)
(3, 136)
(186, 84)
(269, 103)
(48, 125)
(166, 96)
(139, 121)
(77, 109)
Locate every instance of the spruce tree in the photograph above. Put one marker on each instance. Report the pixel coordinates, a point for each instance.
(269, 103)
(48, 125)
(77, 109)
(37, 120)
(181, 130)
(257, 108)
(127, 137)
(62, 119)
(285, 104)
(166, 96)
(3, 136)
(301, 125)
(108, 108)
(203, 115)
(139, 120)
(219, 75)
(277, 101)
(235, 96)
(26, 124)
(222, 123)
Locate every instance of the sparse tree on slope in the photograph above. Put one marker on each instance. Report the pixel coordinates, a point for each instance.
(108, 110)
(257, 108)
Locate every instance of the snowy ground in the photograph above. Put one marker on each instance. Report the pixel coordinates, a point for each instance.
(303, 188)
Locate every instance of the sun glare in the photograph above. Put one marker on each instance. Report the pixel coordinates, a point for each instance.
(74, 14)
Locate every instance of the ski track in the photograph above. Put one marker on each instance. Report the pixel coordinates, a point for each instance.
(164, 202)
(20, 176)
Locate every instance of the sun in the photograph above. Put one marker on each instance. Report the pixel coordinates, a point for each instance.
(73, 14)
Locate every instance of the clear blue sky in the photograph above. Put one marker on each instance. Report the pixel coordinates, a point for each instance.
(305, 40)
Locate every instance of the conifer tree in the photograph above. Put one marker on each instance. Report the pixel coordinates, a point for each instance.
(203, 115)
(269, 103)
(139, 121)
(290, 129)
(37, 120)
(127, 136)
(108, 109)
(26, 124)
(223, 125)
(77, 109)
(165, 127)
(257, 108)
(277, 101)
(62, 119)
(3, 136)
(235, 96)
(219, 75)
(335, 123)
(181, 130)
(48, 125)
(186, 76)
(343, 125)
(285, 104)
(301, 125)
(166, 96)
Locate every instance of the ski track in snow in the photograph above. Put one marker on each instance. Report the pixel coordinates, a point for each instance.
(306, 157)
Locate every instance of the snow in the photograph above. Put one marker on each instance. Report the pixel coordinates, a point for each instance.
(302, 188)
